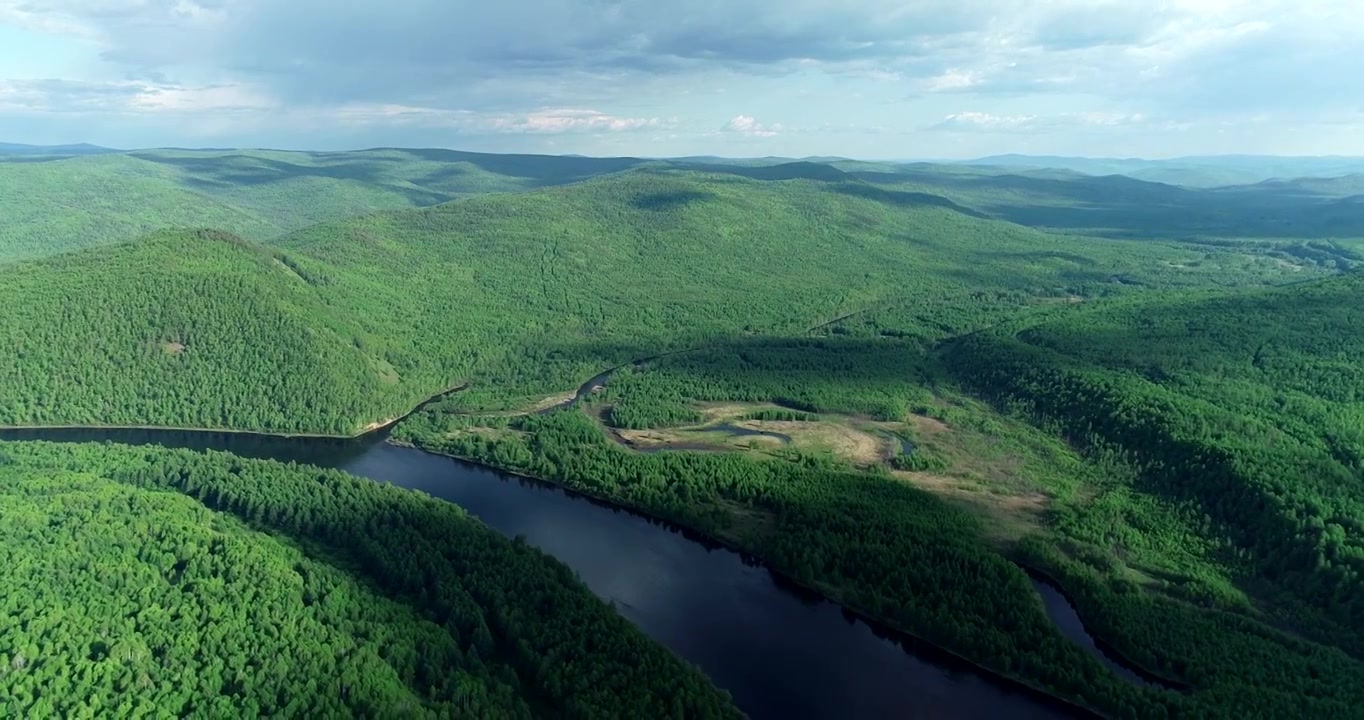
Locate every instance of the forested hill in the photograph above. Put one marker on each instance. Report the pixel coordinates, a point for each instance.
(524, 294)
(1247, 404)
(1305, 217)
(55, 203)
(151, 582)
(193, 328)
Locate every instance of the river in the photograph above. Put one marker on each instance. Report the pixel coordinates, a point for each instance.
(781, 652)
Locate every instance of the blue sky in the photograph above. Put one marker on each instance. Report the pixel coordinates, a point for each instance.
(860, 78)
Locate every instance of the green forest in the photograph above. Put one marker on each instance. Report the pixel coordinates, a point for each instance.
(1245, 406)
(864, 536)
(152, 582)
(58, 203)
(339, 326)
(941, 378)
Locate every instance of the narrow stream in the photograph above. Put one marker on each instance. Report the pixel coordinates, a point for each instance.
(1067, 620)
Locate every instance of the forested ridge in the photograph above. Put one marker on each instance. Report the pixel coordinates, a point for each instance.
(346, 324)
(59, 203)
(151, 581)
(195, 329)
(1248, 405)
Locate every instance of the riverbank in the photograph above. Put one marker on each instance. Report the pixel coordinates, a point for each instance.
(829, 593)
(833, 593)
(372, 428)
(1105, 648)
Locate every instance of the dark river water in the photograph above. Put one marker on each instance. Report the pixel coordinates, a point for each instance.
(780, 652)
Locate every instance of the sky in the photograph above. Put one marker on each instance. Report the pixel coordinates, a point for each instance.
(880, 79)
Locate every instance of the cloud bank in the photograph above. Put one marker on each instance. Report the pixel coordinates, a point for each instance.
(958, 75)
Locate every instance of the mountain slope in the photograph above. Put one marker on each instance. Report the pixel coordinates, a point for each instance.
(76, 149)
(55, 203)
(184, 328)
(525, 294)
(71, 203)
(1207, 171)
(575, 278)
(1247, 406)
(1120, 206)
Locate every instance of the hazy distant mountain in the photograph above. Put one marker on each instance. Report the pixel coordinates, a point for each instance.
(77, 149)
(1205, 171)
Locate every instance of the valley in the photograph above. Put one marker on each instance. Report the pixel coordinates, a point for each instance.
(903, 389)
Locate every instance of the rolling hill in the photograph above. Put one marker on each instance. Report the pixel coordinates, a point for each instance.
(1200, 172)
(55, 203)
(59, 150)
(344, 324)
(1209, 531)
(1288, 214)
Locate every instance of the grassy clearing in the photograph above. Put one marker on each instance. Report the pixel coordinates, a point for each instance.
(999, 469)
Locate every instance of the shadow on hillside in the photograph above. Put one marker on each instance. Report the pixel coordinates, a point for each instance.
(541, 170)
(222, 172)
(799, 371)
(244, 169)
(904, 199)
(785, 171)
(670, 200)
(1123, 207)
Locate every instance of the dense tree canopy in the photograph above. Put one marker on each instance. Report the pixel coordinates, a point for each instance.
(910, 558)
(523, 294)
(155, 581)
(1208, 529)
(1248, 405)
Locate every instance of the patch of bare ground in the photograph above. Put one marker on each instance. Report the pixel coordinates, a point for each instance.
(831, 435)
(546, 403)
(670, 439)
(387, 374)
(926, 426)
(1008, 516)
(371, 427)
(645, 438)
(715, 412)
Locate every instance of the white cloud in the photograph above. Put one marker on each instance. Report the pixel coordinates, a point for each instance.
(546, 121)
(746, 125)
(989, 122)
(126, 97)
(952, 79)
(564, 120)
(531, 69)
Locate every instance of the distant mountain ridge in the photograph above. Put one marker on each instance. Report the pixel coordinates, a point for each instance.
(1193, 171)
(76, 149)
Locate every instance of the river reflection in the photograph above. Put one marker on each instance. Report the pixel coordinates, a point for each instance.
(782, 652)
